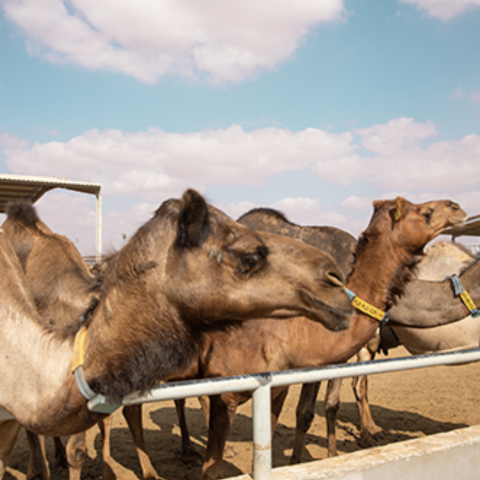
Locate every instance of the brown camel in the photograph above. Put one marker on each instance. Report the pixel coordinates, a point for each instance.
(442, 259)
(397, 232)
(331, 240)
(463, 333)
(163, 279)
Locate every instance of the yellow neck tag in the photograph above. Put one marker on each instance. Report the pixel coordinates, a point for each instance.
(467, 300)
(79, 348)
(370, 310)
(396, 215)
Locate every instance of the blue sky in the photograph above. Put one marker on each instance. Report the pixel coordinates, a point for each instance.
(315, 107)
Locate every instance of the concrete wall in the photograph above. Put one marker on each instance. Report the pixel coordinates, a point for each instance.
(445, 456)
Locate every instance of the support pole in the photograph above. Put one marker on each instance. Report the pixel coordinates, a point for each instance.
(262, 430)
(99, 228)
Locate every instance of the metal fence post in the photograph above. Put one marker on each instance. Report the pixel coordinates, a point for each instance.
(262, 430)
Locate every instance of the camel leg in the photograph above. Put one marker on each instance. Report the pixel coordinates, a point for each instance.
(189, 452)
(229, 451)
(332, 404)
(133, 416)
(76, 452)
(278, 400)
(205, 404)
(9, 430)
(222, 413)
(60, 453)
(105, 426)
(368, 428)
(305, 413)
(37, 465)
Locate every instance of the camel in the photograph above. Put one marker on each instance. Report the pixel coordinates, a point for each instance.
(62, 288)
(163, 279)
(338, 243)
(331, 240)
(442, 259)
(396, 234)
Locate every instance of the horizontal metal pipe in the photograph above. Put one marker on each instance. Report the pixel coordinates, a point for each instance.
(215, 386)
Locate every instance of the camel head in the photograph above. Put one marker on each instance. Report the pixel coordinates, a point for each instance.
(211, 268)
(59, 280)
(414, 225)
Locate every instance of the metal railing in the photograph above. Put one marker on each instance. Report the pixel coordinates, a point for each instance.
(262, 383)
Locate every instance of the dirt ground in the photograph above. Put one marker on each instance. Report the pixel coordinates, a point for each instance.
(405, 404)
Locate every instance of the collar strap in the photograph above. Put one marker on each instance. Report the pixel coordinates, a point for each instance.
(78, 360)
(460, 291)
(370, 310)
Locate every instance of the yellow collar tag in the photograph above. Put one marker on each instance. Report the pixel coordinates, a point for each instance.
(370, 310)
(467, 300)
(396, 215)
(79, 348)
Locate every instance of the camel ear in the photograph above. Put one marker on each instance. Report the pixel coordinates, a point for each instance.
(398, 210)
(23, 212)
(193, 220)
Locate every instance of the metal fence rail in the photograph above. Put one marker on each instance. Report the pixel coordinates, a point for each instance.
(262, 383)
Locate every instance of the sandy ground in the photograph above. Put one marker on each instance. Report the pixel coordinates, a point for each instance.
(405, 404)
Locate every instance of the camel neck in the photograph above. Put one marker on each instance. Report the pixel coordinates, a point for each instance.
(43, 373)
(370, 280)
(133, 343)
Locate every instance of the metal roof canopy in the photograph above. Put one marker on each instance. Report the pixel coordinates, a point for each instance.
(471, 227)
(15, 187)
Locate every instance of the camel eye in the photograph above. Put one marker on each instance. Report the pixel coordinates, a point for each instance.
(251, 262)
(428, 215)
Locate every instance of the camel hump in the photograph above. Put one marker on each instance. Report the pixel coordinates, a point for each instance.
(22, 211)
(265, 212)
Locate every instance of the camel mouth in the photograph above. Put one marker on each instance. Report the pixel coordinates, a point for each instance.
(333, 318)
(458, 222)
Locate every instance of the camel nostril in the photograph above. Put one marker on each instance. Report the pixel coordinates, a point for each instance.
(335, 279)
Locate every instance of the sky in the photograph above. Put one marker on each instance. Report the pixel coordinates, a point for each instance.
(313, 107)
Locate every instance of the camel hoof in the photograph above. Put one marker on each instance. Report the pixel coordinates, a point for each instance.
(190, 456)
(367, 441)
(39, 476)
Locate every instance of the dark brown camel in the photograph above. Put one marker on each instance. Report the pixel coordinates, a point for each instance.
(189, 267)
(338, 243)
(398, 231)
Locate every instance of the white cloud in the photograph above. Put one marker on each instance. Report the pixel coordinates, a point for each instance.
(444, 9)
(146, 163)
(357, 203)
(236, 210)
(475, 97)
(308, 211)
(224, 41)
(403, 163)
(74, 215)
(458, 93)
(401, 157)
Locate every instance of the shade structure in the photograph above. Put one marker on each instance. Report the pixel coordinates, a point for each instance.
(23, 187)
